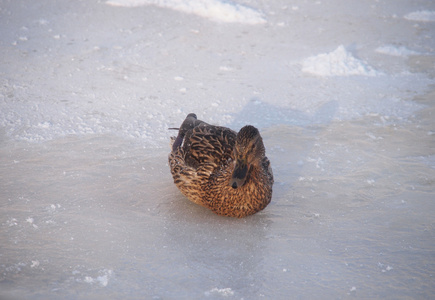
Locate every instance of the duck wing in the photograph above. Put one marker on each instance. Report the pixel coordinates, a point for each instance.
(208, 145)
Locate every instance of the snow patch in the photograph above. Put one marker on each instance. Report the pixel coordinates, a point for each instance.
(421, 16)
(103, 279)
(214, 10)
(223, 292)
(30, 221)
(339, 62)
(396, 51)
(35, 264)
(384, 268)
(12, 222)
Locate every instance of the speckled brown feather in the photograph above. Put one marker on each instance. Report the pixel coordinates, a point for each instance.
(202, 168)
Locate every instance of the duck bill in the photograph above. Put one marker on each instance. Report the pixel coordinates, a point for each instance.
(239, 175)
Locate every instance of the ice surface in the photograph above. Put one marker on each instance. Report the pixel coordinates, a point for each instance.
(342, 94)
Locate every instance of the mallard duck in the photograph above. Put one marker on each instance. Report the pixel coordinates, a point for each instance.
(220, 169)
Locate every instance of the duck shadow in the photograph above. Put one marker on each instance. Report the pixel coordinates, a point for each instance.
(264, 115)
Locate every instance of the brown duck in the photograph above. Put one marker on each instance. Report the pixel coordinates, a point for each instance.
(220, 169)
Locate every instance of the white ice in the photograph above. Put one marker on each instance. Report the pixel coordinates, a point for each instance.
(342, 95)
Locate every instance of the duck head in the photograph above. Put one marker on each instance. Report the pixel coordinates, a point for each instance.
(248, 153)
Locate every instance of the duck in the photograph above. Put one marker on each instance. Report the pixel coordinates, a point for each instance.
(220, 169)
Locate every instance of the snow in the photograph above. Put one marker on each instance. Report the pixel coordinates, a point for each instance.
(396, 51)
(225, 292)
(214, 10)
(343, 96)
(421, 16)
(35, 264)
(102, 280)
(339, 62)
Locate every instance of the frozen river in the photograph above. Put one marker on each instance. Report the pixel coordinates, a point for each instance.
(343, 97)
